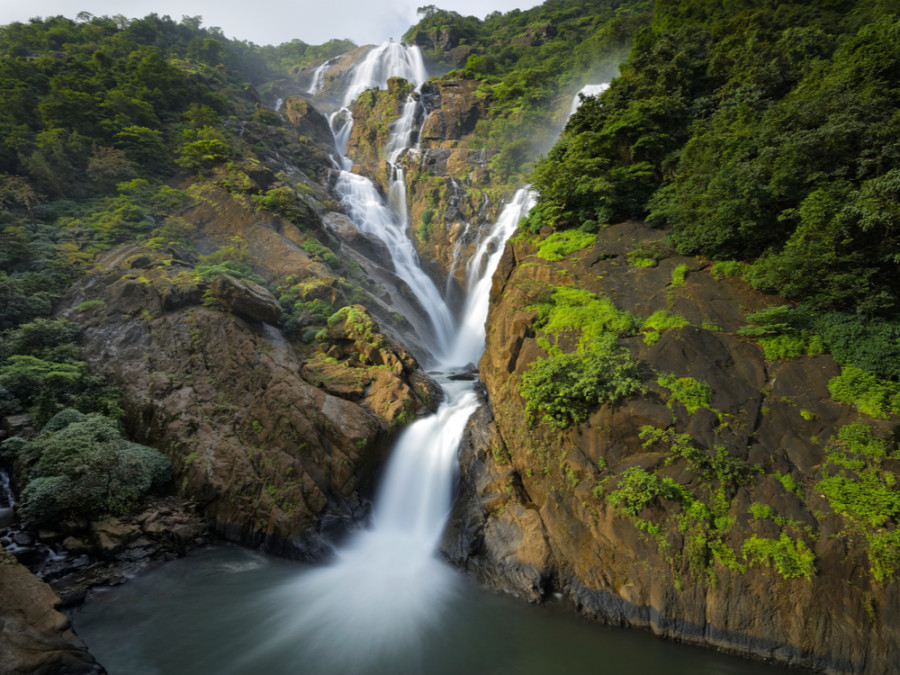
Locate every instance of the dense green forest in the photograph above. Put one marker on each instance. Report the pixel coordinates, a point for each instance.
(765, 134)
(106, 127)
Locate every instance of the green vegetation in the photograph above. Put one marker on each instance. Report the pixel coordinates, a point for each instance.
(41, 371)
(560, 244)
(692, 393)
(870, 394)
(80, 466)
(790, 558)
(564, 387)
(779, 157)
(679, 274)
(860, 487)
(728, 268)
(784, 332)
(704, 516)
(659, 322)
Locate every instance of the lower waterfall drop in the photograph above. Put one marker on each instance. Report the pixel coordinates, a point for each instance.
(387, 585)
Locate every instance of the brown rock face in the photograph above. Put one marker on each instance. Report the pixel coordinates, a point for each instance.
(265, 452)
(538, 513)
(35, 638)
(246, 298)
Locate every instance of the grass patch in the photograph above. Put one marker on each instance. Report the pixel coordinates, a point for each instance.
(560, 244)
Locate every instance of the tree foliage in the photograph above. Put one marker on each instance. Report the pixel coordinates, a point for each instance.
(765, 133)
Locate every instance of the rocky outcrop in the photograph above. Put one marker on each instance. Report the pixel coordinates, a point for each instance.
(541, 507)
(35, 638)
(245, 298)
(272, 459)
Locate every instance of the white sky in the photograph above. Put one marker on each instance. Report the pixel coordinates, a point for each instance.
(271, 21)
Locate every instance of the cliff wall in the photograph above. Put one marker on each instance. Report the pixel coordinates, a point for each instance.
(700, 518)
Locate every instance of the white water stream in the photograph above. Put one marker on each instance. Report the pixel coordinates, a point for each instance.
(387, 584)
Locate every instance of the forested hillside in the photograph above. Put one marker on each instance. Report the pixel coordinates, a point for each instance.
(765, 134)
(692, 364)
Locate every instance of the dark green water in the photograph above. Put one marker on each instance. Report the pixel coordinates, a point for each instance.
(226, 610)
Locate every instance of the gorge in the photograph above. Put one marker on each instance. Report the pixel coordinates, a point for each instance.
(343, 295)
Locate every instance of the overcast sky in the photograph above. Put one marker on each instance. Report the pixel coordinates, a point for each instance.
(270, 21)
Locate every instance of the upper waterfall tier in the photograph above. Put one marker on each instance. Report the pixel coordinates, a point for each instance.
(390, 59)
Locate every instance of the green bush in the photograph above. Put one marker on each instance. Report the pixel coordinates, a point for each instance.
(869, 344)
(81, 466)
(870, 394)
(791, 558)
(637, 489)
(692, 393)
(783, 331)
(564, 388)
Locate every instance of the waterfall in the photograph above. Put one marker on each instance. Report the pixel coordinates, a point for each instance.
(361, 200)
(319, 73)
(390, 59)
(387, 584)
(469, 342)
(587, 90)
(371, 214)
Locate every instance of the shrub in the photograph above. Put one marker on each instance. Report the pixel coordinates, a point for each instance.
(870, 394)
(791, 559)
(564, 388)
(81, 466)
(783, 331)
(692, 393)
(872, 345)
(728, 268)
(637, 489)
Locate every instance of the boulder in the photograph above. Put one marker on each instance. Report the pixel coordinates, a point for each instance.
(246, 299)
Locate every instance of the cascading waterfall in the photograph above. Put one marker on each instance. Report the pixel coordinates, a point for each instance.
(390, 59)
(469, 342)
(363, 203)
(318, 75)
(387, 584)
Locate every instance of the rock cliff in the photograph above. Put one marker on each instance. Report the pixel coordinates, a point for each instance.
(207, 376)
(698, 516)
